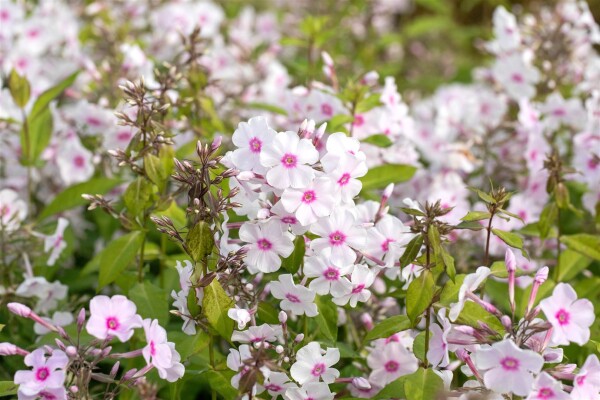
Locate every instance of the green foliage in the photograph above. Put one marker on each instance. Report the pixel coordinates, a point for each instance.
(423, 385)
(419, 295)
(200, 241)
(327, 318)
(152, 301)
(388, 327)
(380, 177)
(19, 87)
(117, 255)
(214, 307)
(296, 259)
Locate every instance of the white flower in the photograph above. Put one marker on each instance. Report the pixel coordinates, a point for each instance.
(59, 318)
(546, 387)
(586, 384)
(329, 277)
(310, 391)
(266, 243)
(517, 77)
(12, 210)
(239, 315)
(386, 240)
(311, 202)
(74, 162)
(312, 366)
(340, 233)
(55, 243)
(258, 334)
(389, 362)
(470, 284)
(277, 383)
(295, 298)
(251, 137)
(160, 353)
(362, 278)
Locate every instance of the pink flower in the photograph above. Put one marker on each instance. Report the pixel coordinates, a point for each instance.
(266, 243)
(114, 316)
(362, 278)
(295, 298)
(311, 202)
(312, 366)
(344, 171)
(276, 383)
(258, 334)
(386, 240)
(329, 277)
(251, 138)
(47, 375)
(310, 391)
(570, 318)
(287, 157)
(470, 284)
(13, 210)
(547, 388)
(586, 384)
(389, 362)
(508, 369)
(160, 353)
(438, 342)
(340, 233)
(55, 243)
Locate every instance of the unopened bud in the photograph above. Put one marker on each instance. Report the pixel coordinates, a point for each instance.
(387, 192)
(327, 60)
(361, 383)
(370, 78)
(216, 142)
(80, 319)
(283, 317)
(129, 374)
(115, 369)
(286, 359)
(71, 351)
(299, 338)
(74, 389)
(367, 321)
(8, 349)
(506, 322)
(19, 309)
(541, 275)
(60, 344)
(509, 260)
(279, 349)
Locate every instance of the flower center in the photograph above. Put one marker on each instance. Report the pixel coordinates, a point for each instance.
(255, 145)
(289, 220)
(4, 210)
(391, 366)
(331, 274)
(264, 244)
(79, 161)
(545, 393)
(42, 374)
(344, 179)
(562, 316)
(358, 289)
(112, 323)
(93, 121)
(289, 160)
(337, 238)
(517, 78)
(385, 246)
(510, 364)
(559, 112)
(318, 369)
(273, 387)
(327, 109)
(292, 298)
(152, 348)
(309, 196)
(359, 120)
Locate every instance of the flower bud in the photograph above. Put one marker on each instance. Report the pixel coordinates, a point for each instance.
(370, 78)
(8, 349)
(279, 349)
(114, 369)
(361, 383)
(387, 192)
(19, 309)
(327, 60)
(74, 389)
(367, 321)
(541, 275)
(283, 317)
(216, 142)
(506, 322)
(60, 344)
(286, 359)
(510, 261)
(299, 338)
(71, 351)
(81, 319)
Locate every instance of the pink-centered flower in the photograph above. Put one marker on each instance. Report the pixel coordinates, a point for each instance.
(46, 377)
(586, 384)
(266, 244)
(470, 284)
(258, 334)
(113, 316)
(329, 277)
(339, 233)
(344, 171)
(437, 354)
(13, 210)
(508, 368)
(294, 298)
(161, 353)
(310, 202)
(570, 318)
(546, 387)
(310, 391)
(277, 383)
(251, 138)
(312, 366)
(289, 158)
(387, 239)
(55, 243)
(361, 279)
(389, 362)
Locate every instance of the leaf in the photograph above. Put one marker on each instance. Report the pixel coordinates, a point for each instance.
(154, 169)
(571, 263)
(412, 250)
(473, 313)
(338, 121)
(327, 317)
(71, 196)
(151, 301)
(419, 295)
(117, 255)
(449, 263)
(476, 216)
(379, 140)
(267, 313)
(137, 196)
(511, 239)
(37, 136)
(200, 241)
(381, 176)
(483, 196)
(423, 385)
(450, 290)
(220, 382)
(19, 88)
(215, 305)
(388, 327)
(498, 269)
(46, 97)
(470, 225)
(547, 218)
(412, 211)
(586, 244)
(393, 390)
(8, 388)
(266, 107)
(419, 346)
(293, 262)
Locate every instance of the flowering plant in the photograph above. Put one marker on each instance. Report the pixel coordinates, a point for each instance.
(248, 236)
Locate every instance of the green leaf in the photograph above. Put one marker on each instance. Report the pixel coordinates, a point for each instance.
(547, 218)
(338, 121)
(412, 211)
(295, 260)
(46, 97)
(368, 103)
(151, 301)
(473, 313)
(483, 196)
(154, 169)
(586, 244)
(327, 317)
(220, 382)
(388, 327)
(423, 385)
(117, 255)
(8, 388)
(200, 241)
(71, 196)
(393, 390)
(476, 216)
(192, 303)
(379, 140)
(266, 107)
(381, 176)
(215, 305)
(37, 136)
(471, 225)
(572, 263)
(498, 269)
(511, 239)
(267, 313)
(419, 346)
(19, 88)
(450, 291)
(137, 196)
(449, 263)
(419, 295)
(412, 250)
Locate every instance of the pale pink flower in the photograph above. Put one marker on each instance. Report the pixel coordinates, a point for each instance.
(329, 277)
(312, 366)
(13, 210)
(389, 362)
(250, 138)
(235, 362)
(547, 388)
(160, 353)
(344, 171)
(310, 391)
(470, 284)
(339, 233)
(239, 315)
(586, 384)
(310, 202)
(517, 77)
(387, 239)
(570, 318)
(74, 161)
(258, 334)
(294, 298)
(438, 341)
(113, 316)
(56, 243)
(266, 243)
(287, 219)
(277, 383)
(287, 157)
(47, 375)
(362, 278)
(507, 368)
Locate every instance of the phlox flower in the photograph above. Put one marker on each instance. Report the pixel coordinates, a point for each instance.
(311, 202)
(239, 315)
(250, 138)
(59, 318)
(389, 362)
(55, 243)
(258, 334)
(180, 303)
(508, 368)
(46, 378)
(310, 391)
(546, 387)
(312, 366)
(160, 353)
(235, 362)
(287, 219)
(586, 384)
(48, 293)
(437, 354)
(329, 277)
(277, 383)
(339, 234)
(386, 240)
(470, 284)
(287, 157)
(294, 298)
(74, 162)
(362, 278)
(185, 272)
(517, 77)
(570, 318)
(266, 243)
(112, 316)
(12, 210)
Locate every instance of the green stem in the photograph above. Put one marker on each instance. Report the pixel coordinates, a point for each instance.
(141, 260)
(26, 158)
(428, 312)
(557, 267)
